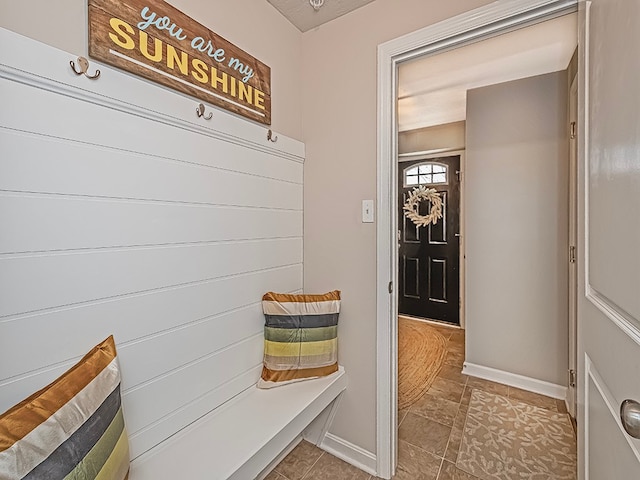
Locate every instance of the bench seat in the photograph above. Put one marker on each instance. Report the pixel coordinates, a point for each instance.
(241, 438)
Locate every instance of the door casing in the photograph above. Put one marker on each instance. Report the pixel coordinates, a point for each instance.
(490, 20)
(572, 396)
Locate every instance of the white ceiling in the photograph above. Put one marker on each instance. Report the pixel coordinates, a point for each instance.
(303, 16)
(433, 89)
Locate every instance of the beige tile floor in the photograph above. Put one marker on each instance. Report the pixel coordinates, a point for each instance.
(430, 431)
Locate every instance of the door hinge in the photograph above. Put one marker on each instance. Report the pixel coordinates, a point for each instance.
(572, 130)
(459, 175)
(390, 287)
(572, 378)
(572, 254)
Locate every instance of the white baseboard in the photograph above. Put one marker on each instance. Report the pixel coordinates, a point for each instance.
(350, 453)
(515, 380)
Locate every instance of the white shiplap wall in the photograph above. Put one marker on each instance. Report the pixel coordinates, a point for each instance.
(123, 213)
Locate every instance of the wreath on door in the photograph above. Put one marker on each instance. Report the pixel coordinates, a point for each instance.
(412, 206)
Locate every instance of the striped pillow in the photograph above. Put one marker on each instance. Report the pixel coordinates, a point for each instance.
(72, 429)
(300, 337)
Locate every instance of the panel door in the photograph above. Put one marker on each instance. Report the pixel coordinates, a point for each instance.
(429, 257)
(609, 303)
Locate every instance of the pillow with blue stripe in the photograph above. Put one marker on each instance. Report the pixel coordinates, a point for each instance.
(72, 429)
(300, 337)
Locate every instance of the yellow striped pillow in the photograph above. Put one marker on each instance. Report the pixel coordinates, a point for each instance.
(72, 429)
(300, 337)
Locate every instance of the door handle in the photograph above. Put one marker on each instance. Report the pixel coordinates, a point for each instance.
(456, 234)
(630, 416)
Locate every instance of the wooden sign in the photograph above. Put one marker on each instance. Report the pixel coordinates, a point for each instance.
(156, 41)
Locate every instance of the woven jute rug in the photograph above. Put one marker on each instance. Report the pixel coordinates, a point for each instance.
(421, 352)
(505, 439)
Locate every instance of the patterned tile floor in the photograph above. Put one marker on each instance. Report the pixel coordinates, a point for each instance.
(430, 431)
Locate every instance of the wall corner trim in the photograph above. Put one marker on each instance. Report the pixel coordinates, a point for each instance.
(515, 380)
(350, 453)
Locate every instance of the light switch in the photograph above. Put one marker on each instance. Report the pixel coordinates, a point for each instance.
(367, 211)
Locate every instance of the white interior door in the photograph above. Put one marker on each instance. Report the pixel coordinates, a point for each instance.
(609, 300)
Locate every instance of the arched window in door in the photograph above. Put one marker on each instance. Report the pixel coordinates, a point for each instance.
(427, 173)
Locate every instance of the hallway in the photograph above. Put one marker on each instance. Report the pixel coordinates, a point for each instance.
(431, 431)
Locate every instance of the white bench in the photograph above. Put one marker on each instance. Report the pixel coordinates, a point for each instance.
(243, 438)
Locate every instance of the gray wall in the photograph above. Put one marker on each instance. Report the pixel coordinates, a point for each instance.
(339, 112)
(449, 136)
(516, 227)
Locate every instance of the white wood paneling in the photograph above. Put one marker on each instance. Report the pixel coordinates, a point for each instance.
(142, 440)
(96, 125)
(44, 281)
(46, 222)
(124, 214)
(178, 387)
(64, 333)
(28, 166)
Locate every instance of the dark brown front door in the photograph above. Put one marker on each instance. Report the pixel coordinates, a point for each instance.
(429, 256)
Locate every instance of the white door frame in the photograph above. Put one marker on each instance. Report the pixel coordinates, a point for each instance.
(572, 390)
(497, 17)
